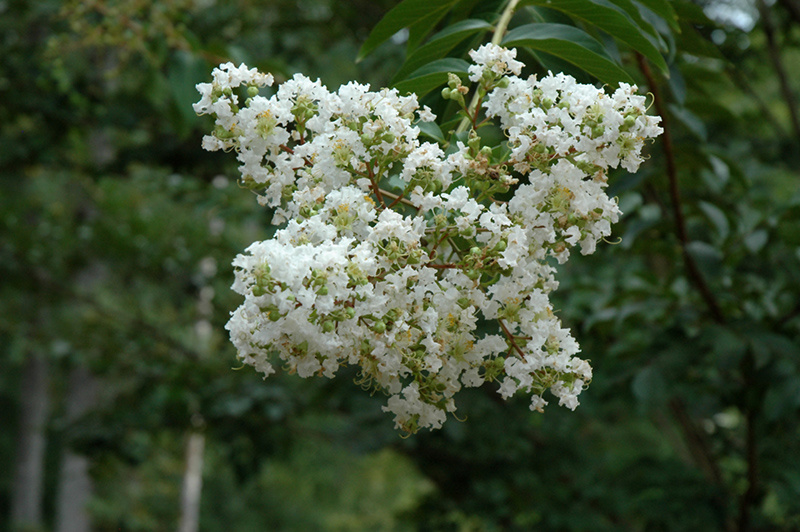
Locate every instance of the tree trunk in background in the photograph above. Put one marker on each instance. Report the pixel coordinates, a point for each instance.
(26, 498)
(192, 483)
(75, 485)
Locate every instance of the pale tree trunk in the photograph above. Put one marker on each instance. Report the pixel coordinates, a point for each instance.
(192, 483)
(75, 485)
(26, 497)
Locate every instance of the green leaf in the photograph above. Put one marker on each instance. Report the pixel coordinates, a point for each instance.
(693, 42)
(632, 9)
(664, 9)
(440, 44)
(572, 45)
(427, 78)
(186, 72)
(707, 257)
(612, 20)
(649, 387)
(405, 14)
(431, 130)
(717, 217)
(690, 120)
(756, 240)
(420, 29)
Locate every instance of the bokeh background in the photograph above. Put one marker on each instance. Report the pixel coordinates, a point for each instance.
(119, 405)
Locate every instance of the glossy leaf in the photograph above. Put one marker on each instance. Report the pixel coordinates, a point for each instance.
(612, 20)
(664, 9)
(440, 44)
(572, 45)
(431, 130)
(632, 9)
(427, 78)
(405, 14)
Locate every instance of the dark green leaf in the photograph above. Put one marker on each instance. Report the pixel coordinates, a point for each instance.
(405, 14)
(717, 217)
(663, 9)
(756, 240)
(440, 44)
(572, 45)
(708, 258)
(677, 84)
(690, 120)
(632, 9)
(420, 29)
(691, 40)
(612, 20)
(427, 78)
(432, 130)
(649, 387)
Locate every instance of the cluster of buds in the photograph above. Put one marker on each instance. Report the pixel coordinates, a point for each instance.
(427, 268)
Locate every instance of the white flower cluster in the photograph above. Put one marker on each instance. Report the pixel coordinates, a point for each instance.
(399, 257)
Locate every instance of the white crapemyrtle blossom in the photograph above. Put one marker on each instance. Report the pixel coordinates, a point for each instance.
(391, 251)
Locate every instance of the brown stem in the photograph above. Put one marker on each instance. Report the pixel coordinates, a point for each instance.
(511, 339)
(775, 56)
(375, 188)
(699, 448)
(695, 275)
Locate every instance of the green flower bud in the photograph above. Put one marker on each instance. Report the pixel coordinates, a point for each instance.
(475, 250)
(323, 291)
(474, 142)
(328, 326)
(350, 312)
(500, 246)
(446, 93)
(274, 315)
(379, 326)
(453, 81)
(259, 290)
(252, 91)
(464, 302)
(629, 122)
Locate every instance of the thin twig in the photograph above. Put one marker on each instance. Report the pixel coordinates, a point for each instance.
(777, 63)
(511, 339)
(695, 275)
(695, 439)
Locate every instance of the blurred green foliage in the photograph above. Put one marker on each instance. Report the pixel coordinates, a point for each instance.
(118, 231)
